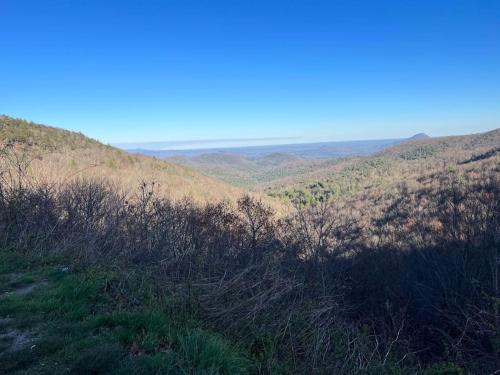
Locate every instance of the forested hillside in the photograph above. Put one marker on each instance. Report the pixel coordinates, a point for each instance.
(49, 154)
(254, 173)
(390, 265)
(383, 172)
(260, 168)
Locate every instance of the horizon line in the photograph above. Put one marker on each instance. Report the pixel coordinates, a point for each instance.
(144, 146)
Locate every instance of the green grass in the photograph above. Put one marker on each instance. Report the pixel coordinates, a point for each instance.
(77, 324)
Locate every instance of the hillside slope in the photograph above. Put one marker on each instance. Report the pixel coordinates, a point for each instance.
(406, 260)
(252, 173)
(401, 163)
(263, 168)
(55, 154)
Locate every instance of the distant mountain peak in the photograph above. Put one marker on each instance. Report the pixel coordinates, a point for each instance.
(418, 136)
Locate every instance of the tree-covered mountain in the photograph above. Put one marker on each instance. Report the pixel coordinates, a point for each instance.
(401, 163)
(279, 174)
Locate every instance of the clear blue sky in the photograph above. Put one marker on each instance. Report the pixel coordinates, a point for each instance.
(137, 71)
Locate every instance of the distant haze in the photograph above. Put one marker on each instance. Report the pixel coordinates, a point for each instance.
(305, 150)
(206, 143)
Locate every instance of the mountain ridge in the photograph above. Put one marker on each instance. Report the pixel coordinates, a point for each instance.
(262, 171)
(311, 150)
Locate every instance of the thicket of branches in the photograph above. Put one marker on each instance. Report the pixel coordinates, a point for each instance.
(409, 281)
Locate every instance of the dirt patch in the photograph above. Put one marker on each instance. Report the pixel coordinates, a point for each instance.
(12, 339)
(21, 289)
(5, 321)
(25, 289)
(17, 339)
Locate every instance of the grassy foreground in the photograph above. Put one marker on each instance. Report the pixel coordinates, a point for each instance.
(58, 320)
(54, 319)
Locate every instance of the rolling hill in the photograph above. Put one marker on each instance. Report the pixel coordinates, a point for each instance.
(56, 155)
(252, 173)
(268, 166)
(406, 163)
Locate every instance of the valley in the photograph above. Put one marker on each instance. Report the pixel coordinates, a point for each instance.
(221, 263)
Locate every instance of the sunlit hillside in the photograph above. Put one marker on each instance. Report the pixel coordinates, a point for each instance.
(57, 155)
(403, 163)
(381, 265)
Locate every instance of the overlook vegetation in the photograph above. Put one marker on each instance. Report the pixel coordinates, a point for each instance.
(387, 264)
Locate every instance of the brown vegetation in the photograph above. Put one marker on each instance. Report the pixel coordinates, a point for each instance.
(407, 162)
(57, 155)
(396, 281)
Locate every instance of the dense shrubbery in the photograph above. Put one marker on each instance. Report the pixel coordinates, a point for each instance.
(400, 284)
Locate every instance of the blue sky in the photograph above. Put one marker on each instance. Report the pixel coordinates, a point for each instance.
(140, 71)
